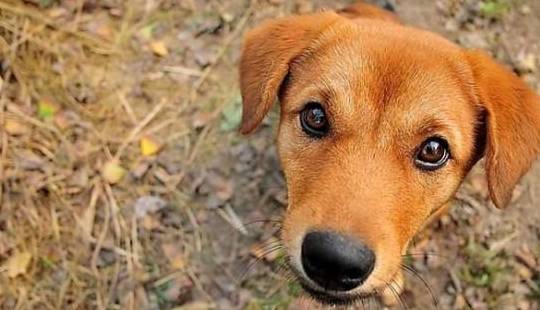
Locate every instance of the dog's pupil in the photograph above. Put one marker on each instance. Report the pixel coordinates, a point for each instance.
(433, 151)
(316, 118)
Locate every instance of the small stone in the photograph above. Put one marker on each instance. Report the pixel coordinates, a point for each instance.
(112, 172)
(525, 9)
(526, 63)
(526, 256)
(451, 25)
(524, 272)
(459, 302)
(148, 204)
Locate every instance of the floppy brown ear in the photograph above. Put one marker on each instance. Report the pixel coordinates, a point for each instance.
(513, 124)
(267, 53)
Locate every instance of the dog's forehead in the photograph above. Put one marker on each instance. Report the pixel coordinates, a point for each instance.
(385, 66)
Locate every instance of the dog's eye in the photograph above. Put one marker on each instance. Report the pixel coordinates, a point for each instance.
(313, 120)
(432, 154)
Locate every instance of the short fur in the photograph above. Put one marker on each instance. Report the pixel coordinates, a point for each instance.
(386, 87)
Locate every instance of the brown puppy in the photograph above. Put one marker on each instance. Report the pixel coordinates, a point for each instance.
(380, 123)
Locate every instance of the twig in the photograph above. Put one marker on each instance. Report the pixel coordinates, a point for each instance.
(95, 255)
(228, 214)
(127, 107)
(114, 211)
(182, 70)
(4, 136)
(470, 200)
(90, 212)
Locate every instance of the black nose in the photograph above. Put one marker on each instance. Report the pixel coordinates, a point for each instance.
(336, 262)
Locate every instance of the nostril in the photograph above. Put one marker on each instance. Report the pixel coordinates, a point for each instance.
(334, 261)
(354, 273)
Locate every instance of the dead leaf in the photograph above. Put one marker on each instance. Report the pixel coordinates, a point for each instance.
(148, 146)
(18, 264)
(61, 121)
(175, 255)
(150, 223)
(223, 188)
(112, 172)
(159, 48)
(179, 290)
(105, 31)
(140, 169)
(29, 160)
(526, 256)
(148, 204)
(14, 127)
(201, 119)
(46, 109)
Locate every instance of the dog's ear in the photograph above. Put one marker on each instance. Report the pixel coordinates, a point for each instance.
(513, 124)
(361, 10)
(267, 53)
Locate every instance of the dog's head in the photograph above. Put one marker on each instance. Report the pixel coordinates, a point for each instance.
(379, 125)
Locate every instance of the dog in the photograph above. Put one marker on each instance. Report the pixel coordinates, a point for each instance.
(379, 124)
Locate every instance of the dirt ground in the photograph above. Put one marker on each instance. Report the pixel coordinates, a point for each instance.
(124, 184)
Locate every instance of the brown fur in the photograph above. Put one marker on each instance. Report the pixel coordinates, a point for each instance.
(386, 88)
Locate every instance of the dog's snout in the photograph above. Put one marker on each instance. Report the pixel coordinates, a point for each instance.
(336, 262)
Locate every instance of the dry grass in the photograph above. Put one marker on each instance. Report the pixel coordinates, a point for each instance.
(79, 231)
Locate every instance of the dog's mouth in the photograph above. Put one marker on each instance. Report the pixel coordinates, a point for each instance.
(329, 298)
(333, 299)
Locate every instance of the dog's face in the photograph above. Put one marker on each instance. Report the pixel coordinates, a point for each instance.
(379, 125)
(374, 137)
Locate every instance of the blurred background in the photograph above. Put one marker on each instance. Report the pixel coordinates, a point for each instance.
(124, 184)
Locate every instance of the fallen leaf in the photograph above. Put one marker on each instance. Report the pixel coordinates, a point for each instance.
(29, 160)
(61, 121)
(146, 31)
(175, 255)
(526, 256)
(159, 48)
(221, 186)
(178, 290)
(18, 264)
(148, 204)
(105, 31)
(140, 169)
(150, 223)
(201, 119)
(149, 147)
(14, 127)
(46, 109)
(232, 114)
(112, 172)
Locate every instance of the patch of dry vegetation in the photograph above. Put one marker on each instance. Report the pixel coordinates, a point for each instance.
(86, 107)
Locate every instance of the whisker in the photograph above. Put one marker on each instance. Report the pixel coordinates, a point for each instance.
(396, 293)
(258, 259)
(277, 222)
(425, 254)
(415, 273)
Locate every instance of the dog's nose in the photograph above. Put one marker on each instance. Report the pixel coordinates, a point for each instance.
(336, 262)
